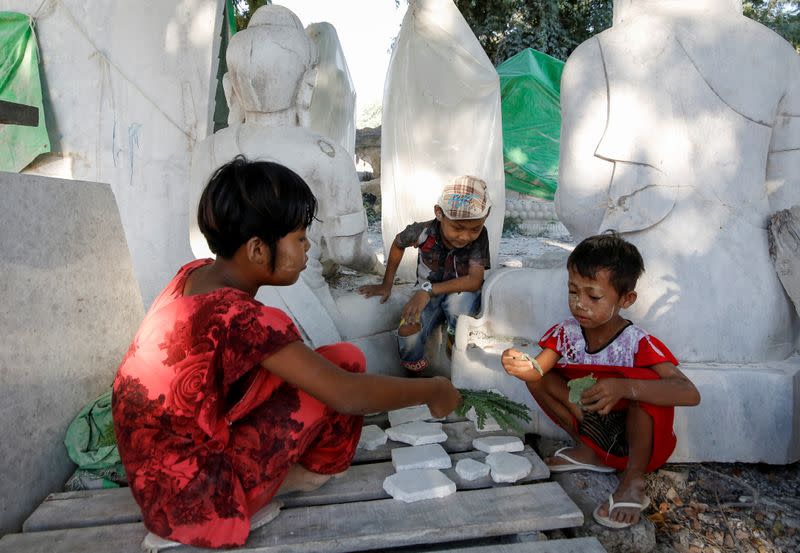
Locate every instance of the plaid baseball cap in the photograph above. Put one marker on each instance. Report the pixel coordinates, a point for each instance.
(465, 197)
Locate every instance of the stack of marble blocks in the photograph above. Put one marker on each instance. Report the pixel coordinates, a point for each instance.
(532, 215)
(418, 467)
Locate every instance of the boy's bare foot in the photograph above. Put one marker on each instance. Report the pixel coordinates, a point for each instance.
(300, 479)
(580, 457)
(630, 490)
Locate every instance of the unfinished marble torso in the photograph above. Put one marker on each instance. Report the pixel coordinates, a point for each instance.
(681, 129)
(671, 120)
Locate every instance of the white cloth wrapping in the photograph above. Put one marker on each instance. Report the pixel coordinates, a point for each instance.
(441, 119)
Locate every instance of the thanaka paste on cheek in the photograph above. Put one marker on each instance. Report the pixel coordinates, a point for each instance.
(576, 305)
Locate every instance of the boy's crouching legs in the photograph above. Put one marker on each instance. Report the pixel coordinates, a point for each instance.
(552, 395)
(412, 335)
(639, 434)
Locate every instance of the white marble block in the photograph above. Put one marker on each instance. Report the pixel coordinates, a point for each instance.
(495, 444)
(372, 437)
(416, 485)
(409, 414)
(417, 433)
(507, 467)
(470, 469)
(431, 456)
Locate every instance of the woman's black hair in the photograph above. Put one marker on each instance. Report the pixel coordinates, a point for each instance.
(253, 198)
(608, 251)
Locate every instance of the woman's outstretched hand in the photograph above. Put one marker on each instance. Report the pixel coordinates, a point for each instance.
(445, 397)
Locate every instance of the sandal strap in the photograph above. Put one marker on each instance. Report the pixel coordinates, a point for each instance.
(624, 504)
(559, 453)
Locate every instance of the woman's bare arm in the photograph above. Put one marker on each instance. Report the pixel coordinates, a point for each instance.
(355, 393)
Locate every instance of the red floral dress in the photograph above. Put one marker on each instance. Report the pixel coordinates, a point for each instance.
(206, 434)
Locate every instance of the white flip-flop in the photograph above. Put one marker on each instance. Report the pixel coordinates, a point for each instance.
(153, 544)
(606, 520)
(266, 514)
(573, 464)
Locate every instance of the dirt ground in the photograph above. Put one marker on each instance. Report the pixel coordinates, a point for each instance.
(714, 507)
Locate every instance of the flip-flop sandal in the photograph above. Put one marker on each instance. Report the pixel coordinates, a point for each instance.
(573, 464)
(153, 544)
(606, 520)
(266, 514)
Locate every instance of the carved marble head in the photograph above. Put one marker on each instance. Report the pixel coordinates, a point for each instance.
(271, 64)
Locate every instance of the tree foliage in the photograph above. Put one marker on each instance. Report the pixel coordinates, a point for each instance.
(557, 27)
(244, 9)
(782, 16)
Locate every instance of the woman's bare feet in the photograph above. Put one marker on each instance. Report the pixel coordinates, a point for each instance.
(300, 479)
(629, 490)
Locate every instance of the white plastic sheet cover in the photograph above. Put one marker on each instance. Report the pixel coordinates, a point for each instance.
(441, 119)
(333, 105)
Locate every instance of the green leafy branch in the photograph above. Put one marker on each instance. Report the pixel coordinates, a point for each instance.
(488, 404)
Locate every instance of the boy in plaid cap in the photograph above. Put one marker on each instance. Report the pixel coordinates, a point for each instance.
(453, 255)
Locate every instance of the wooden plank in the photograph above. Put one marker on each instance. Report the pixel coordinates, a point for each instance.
(387, 523)
(576, 545)
(459, 439)
(121, 538)
(84, 509)
(360, 483)
(356, 526)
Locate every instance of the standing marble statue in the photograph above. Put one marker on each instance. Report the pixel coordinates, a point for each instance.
(269, 85)
(681, 130)
(441, 120)
(332, 112)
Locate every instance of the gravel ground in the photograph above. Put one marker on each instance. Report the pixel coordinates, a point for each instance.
(715, 507)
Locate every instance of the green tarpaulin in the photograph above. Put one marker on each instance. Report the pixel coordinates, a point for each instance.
(530, 88)
(20, 83)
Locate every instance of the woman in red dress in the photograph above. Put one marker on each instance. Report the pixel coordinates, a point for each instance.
(218, 404)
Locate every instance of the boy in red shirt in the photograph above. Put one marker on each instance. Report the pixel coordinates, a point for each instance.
(624, 421)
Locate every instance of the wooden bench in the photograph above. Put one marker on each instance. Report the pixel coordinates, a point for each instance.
(350, 513)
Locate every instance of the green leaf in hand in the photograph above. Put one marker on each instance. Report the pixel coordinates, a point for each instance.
(579, 385)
